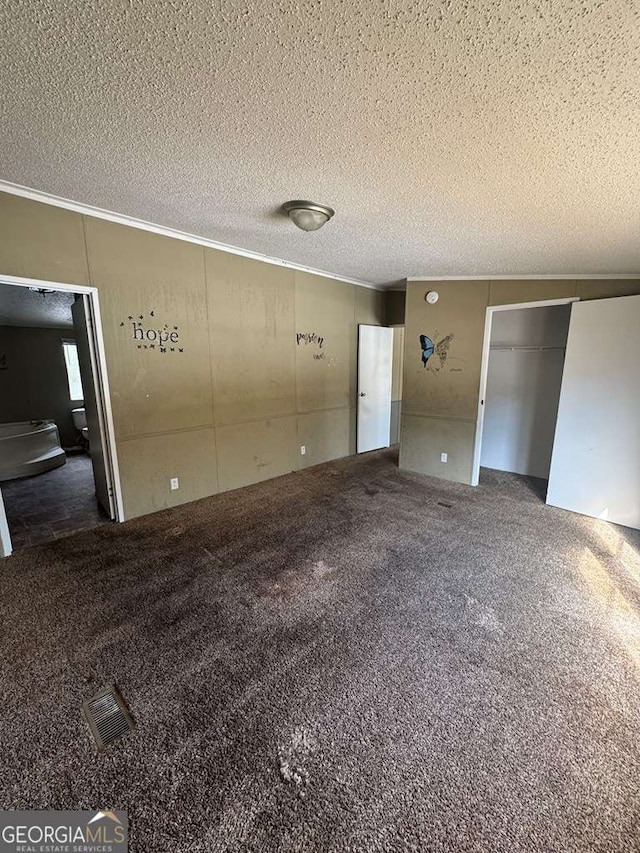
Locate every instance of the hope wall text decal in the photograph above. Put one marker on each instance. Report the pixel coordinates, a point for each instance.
(150, 335)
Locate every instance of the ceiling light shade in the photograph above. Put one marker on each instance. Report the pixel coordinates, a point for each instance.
(308, 215)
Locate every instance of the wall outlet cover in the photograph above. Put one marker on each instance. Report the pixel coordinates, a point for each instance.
(444, 457)
(303, 449)
(174, 483)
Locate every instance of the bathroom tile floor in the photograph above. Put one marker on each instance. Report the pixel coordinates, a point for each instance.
(52, 504)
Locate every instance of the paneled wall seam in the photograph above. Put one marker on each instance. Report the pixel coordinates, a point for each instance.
(199, 427)
(213, 402)
(301, 411)
(439, 417)
(178, 431)
(86, 250)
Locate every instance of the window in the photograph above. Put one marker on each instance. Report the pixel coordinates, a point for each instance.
(73, 370)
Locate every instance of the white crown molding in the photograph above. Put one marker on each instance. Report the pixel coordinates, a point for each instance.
(515, 277)
(121, 219)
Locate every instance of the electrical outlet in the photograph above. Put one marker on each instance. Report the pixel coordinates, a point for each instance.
(174, 483)
(444, 457)
(303, 449)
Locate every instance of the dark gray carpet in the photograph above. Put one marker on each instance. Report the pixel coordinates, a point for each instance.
(335, 661)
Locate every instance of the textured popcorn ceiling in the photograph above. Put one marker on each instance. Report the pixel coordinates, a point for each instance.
(20, 306)
(451, 137)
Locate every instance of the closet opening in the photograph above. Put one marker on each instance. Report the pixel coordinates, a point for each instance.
(523, 361)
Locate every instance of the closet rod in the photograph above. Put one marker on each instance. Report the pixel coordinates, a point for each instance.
(529, 349)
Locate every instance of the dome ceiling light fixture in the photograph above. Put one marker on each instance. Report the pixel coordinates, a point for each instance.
(308, 215)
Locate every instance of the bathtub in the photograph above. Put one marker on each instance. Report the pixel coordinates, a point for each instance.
(28, 448)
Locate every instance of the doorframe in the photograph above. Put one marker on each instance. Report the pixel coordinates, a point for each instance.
(101, 383)
(484, 368)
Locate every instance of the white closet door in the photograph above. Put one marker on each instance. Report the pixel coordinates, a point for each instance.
(595, 466)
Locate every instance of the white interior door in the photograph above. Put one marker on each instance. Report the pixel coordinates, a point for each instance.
(595, 466)
(93, 404)
(375, 356)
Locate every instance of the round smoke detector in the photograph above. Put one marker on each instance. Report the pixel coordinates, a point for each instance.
(432, 297)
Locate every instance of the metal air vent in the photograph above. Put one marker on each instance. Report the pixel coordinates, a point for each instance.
(107, 716)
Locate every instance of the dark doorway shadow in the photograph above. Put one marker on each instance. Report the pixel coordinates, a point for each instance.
(537, 486)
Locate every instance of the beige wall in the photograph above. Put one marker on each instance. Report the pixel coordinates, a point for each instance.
(234, 406)
(440, 402)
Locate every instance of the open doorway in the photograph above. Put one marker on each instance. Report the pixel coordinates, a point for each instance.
(375, 356)
(522, 368)
(58, 472)
(380, 367)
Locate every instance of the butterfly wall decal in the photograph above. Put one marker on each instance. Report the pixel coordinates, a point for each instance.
(427, 347)
(441, 349)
